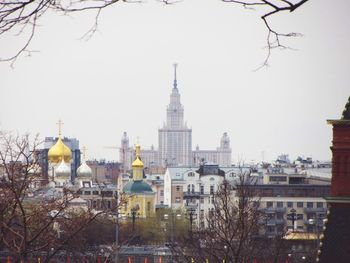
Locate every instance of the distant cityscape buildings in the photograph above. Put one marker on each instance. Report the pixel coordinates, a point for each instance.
(293, 195)
(175, 142)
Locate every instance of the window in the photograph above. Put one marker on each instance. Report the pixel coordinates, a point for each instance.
(279, 215)
(212, 189)
(278, 178)
(310, 216)
(202, 200)
(177, 200)
(109, 204)
(280, 228)
(191, 174)
(95, 192)
(269, 204)
(290, 204)
(300, 204)
(300, 216)
(161, 192)
(86, 184)
(188, 188)
(309, 204)
(212, 199)
(202, 189)
(107, 193)
(279, 204)
(193, 189)
(270, 216)
(310, 229)
(319, 205)
(178, 188)
(87, 193)
(270, 229)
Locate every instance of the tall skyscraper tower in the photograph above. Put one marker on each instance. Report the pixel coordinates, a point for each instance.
(175, 139)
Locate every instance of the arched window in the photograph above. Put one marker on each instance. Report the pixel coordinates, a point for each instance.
(193, 189)
(188, 188)
(191, 174)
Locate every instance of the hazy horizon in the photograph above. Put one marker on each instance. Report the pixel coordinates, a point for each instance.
(121, 79)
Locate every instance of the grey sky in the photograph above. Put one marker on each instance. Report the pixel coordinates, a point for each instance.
(120, 80)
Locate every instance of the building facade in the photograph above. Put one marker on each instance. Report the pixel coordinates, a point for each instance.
(279, 192)
(175, 142)
(175, 138)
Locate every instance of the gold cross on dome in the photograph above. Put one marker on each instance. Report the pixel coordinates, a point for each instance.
(60, 123)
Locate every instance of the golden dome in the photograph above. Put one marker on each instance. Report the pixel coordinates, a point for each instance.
(137, 162)
(59, 151)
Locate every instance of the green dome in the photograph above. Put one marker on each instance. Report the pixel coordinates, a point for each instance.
(134, 187)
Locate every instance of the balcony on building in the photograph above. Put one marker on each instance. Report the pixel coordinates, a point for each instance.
(191, 195)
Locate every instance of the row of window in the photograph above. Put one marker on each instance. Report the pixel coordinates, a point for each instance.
(192, 174)
(191, 189)
(193, 201)
(298, 204)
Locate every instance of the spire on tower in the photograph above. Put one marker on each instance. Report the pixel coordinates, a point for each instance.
(175, 80)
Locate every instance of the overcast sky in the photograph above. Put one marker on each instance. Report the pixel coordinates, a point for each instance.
(121, 79)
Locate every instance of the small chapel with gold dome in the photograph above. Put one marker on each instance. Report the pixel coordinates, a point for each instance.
(139, 195)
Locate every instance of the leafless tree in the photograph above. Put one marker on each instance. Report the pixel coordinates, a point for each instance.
(235, 229)
(270, 8)
(231, 226)
(21, 17)
(36, 220)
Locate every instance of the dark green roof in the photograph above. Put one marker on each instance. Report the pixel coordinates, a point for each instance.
(346, 112)
(137, 187)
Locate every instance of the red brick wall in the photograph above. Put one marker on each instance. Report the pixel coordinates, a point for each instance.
(341, 160)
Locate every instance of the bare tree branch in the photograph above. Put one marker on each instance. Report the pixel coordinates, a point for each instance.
(273, 39)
